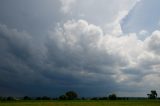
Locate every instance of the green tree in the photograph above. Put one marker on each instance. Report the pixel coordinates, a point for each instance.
(1, 98)
(71, 95)
(27, 98)
(38, 98)
(46, 98)
(152, 95)
(10, 98)
(112, 97)
(62, 97)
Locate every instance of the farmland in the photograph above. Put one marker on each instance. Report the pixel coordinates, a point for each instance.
(83, 103)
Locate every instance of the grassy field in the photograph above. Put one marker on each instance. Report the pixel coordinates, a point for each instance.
(83, 103)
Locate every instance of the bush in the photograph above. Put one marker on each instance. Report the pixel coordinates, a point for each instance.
(62, 97)
(10, 98)
(112, 97)
(70, 95)
(27, 98)
(46, 98)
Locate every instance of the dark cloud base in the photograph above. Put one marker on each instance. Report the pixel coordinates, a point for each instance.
(74, 55)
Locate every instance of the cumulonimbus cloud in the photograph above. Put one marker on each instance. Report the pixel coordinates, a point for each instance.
(79, 54)
(122, 57)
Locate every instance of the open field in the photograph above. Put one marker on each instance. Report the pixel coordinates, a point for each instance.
(84, 103)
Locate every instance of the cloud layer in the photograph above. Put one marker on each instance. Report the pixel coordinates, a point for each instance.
(85, 51)
(78, 55)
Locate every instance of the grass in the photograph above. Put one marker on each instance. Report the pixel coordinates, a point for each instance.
(84, 103)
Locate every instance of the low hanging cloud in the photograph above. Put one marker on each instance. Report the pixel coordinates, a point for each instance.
(78, 55)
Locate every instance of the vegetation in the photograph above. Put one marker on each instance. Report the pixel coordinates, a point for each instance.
(71, 98)
(84, 103)
(27, 98)
(112, 97)
(153, 94)
(70, 95)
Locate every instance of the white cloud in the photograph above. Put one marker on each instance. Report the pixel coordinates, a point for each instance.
(78, 53)
(67, 5)
(153, 42)
(124, 8)
(84, 52)
(128, 59)
(143, 34)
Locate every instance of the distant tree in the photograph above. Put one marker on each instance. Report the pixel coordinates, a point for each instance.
(46, 98)
(103, 98)
(83, 98)
(152, 95)
(112, 97)
(27, 98)
(38, 98)
(62, 97)
(71, 95)
(54, 98)
(10, 98)
(95, 98)
(1, 98)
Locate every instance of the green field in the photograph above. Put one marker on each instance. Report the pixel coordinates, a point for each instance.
(83, 103)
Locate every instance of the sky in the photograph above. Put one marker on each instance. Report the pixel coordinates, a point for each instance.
(94, 47)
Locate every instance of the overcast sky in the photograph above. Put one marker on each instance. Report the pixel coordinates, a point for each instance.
(94, 47)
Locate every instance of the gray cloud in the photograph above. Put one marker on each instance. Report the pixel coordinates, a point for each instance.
(26, 64)
(33, 16)
(73, 55)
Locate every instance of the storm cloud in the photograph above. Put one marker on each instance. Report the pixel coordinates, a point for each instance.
(76, 54)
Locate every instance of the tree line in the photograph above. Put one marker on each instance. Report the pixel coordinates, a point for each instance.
(72, 95)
